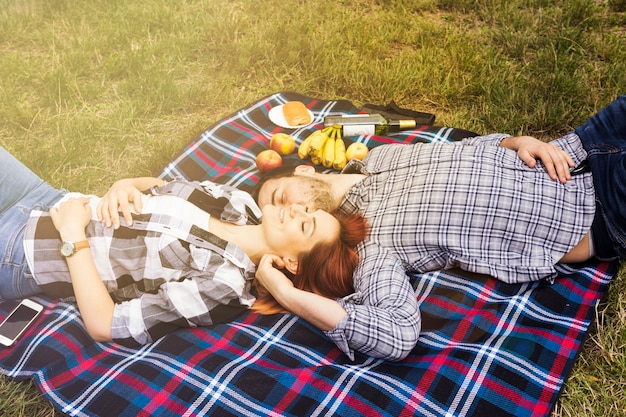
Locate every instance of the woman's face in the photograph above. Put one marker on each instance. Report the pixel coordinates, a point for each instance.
(291, 230)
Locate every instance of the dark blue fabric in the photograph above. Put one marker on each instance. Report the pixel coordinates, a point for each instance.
(604, 138)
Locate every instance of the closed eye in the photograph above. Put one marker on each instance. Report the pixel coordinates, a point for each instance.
(311, 229)
(278, 199)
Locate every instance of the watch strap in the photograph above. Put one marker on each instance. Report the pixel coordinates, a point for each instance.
(82, 244)
(69, 248)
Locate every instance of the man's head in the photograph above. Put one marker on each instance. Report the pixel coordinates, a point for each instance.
(300, 185)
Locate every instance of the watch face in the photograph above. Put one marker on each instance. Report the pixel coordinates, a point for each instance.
(67, 248)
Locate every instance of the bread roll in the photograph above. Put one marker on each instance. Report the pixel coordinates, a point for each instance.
(296, 113)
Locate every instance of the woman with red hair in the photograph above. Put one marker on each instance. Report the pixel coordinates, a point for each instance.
(325, 270)
(184, 254)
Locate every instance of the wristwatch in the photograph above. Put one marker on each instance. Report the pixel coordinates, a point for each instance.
(70, 248)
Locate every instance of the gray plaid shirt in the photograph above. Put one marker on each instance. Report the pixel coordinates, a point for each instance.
(165, 271)
(471, 204)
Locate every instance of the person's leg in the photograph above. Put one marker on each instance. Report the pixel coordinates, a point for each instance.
(20, 192)
(606, 130)
(16, 180)
(604, 138)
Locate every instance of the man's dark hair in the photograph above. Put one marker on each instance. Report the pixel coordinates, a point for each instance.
(280, 172)
(319, 192)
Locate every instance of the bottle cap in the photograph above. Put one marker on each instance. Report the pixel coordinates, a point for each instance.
(406, 124)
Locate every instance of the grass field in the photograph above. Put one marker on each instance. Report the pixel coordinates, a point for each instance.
(92, 91)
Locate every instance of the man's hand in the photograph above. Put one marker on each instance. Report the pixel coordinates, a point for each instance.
(557, 162)
(119, 198)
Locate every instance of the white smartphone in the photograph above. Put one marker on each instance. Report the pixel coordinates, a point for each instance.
(16, 323)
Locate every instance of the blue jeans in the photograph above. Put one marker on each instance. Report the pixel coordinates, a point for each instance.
(604, 138)
(20, 192)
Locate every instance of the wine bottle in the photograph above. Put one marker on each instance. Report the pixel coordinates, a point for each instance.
(368, 124)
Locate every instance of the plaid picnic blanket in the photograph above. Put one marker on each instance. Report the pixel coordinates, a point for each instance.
(487, 348)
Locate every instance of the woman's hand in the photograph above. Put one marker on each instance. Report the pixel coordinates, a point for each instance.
(71, 218)
(269, 275)
(94, 302)
(557, 162)
(322, 312)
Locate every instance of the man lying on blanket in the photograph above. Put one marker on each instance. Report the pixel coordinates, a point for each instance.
(483, 205)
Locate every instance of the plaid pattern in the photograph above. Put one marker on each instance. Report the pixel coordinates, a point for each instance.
(477, 207)
(165, 271)
(487, 348)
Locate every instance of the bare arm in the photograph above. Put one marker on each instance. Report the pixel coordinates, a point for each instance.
(381, 320)
(557, 162)
(322, 312)
(119, 197)
(94, 302)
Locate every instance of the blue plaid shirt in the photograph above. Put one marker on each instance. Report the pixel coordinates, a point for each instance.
(471, 204)
(164, 272)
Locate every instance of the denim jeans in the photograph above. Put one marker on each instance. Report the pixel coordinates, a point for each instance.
(20, 192)
(604, 138)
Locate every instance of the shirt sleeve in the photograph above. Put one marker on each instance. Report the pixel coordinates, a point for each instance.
(178, 304)
(383, 319)
(493, 139)
(225, 202)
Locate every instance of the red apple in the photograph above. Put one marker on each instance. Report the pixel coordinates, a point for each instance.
(268, 159)
(283, 143)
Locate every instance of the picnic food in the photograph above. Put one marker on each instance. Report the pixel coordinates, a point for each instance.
(296, 113)
(356, 150)
(368, 124)
(340, 154)
(325, 147)
(268, 159)
(283, 143)
(318, 140)
(328, 150)
(305, 146)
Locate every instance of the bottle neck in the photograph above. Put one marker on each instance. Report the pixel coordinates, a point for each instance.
(397, 125)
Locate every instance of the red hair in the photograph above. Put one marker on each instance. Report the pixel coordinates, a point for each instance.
(326, 269)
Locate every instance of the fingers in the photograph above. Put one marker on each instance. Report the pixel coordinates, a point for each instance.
(124, 207)
(271, 261)
(527, 158)
(556, 161)
(72, 202)
(124, 200)
(54, 213)
(564, 167)
(137, 201)
(270, 276)
(267, 265)
(71, 215)
(107, 211)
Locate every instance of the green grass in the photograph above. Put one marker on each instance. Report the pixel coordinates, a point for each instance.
(92, 91)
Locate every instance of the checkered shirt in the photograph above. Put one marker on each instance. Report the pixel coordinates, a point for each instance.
(165, 271)
(471, 204)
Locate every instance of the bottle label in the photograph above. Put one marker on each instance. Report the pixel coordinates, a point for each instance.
(358, 130)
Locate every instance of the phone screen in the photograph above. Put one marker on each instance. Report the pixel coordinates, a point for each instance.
(14, 324)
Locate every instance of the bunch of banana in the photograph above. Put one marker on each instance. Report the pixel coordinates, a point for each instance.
(325, 147)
